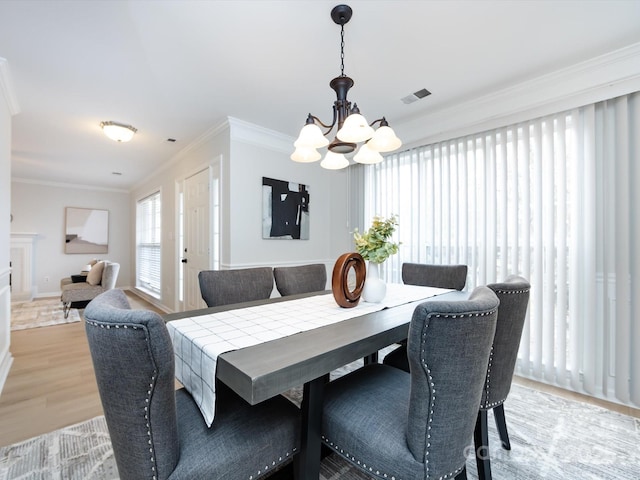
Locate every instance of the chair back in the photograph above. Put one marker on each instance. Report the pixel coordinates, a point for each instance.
(134, 365)
(224, 287)
(513, 294)
(300, 279)
(440, 276)
(110, 275)
(448, 348)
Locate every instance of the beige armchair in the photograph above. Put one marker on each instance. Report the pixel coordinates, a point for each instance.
(102, 277)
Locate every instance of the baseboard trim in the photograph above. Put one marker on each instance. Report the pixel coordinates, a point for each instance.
(577, 396)
(148, 298)
(5, 366)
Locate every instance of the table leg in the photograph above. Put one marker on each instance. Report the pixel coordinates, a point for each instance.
(307, 462)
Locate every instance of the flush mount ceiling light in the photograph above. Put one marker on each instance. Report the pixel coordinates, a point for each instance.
(118, 131)
(352, 127)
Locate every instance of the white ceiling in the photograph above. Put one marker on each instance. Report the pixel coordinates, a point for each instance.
(175, 69)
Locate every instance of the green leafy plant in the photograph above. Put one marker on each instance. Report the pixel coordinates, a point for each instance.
(374, 244)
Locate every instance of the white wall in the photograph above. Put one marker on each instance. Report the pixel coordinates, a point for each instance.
(256, 153)
(8, 107)
(40, 208)
(247, 153)
(208, 150)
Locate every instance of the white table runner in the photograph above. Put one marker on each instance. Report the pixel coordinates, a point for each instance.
(198, 341)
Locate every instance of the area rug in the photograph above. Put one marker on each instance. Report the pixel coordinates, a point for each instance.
(551, 438)
(40, 313)
(79, 452)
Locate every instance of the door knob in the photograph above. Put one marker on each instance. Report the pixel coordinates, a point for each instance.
(184, 260)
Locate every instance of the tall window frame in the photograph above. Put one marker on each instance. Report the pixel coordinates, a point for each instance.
(148, 244)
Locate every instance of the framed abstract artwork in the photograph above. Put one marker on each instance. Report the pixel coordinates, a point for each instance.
(86, 230)
(285, 210)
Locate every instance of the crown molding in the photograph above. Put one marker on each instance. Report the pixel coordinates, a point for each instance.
(252, 134)
(6, 85)
(183, 153)
(237, 130)
(201, 140)
(68, 185)
(607, 76)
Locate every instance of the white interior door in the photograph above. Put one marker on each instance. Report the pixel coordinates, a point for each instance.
(197, 236)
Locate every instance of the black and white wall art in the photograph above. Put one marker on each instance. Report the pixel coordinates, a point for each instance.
(285, 209)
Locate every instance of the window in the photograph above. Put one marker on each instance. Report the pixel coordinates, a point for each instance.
(553, 199)
(148, 234)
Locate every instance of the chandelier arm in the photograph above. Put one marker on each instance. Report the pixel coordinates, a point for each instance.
(328, 127)
(383, 122)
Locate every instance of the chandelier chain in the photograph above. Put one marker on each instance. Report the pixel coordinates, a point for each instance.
(342, 50)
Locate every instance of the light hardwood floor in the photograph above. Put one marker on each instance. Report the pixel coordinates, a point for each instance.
(52, 385)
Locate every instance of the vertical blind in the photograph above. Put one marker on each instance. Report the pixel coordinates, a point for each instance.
(148, 244)
(555, 200)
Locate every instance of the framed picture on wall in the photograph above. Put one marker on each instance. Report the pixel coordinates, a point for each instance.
(285, 210)
(86, 230)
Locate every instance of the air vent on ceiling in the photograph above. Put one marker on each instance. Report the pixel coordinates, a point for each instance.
(415, 96)
(171, 140)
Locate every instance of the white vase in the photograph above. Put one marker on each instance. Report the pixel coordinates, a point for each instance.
(374, 287)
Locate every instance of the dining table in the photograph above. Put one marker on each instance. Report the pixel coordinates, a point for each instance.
(318, 337)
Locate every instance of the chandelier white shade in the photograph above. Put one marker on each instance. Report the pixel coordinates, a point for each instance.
(384, 140)
(367, 155)
(352, 127)
(311, 136)
(355, 129)
(305, 155)
(334, 161)
(118, 131)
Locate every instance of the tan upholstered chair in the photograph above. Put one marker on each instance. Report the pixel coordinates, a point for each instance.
(97, 283)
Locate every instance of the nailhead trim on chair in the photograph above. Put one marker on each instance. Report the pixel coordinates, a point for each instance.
(484, 405)
(146, 412)
(357, 462)
(432, 400)
(468, 315)
(149, 392)
(511, 292)
(487, 384)
(273, 464)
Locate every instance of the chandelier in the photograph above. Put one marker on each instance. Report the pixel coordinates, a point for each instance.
(352, 127)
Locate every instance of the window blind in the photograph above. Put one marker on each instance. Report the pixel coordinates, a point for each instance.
(148, 234)
(555, 200)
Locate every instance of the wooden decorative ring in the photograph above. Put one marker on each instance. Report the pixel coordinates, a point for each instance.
(344, 297)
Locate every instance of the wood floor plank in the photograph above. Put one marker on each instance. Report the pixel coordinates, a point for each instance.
(51, 383)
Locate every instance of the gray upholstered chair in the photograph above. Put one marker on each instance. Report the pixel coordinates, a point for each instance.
(224, 287)
(158, 432)
(300, 279)
(418, 425)
(441, 276)
(73, 293)
(513, 294)
(426, 275)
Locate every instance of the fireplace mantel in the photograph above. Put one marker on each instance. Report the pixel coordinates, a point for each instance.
(22, 264)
